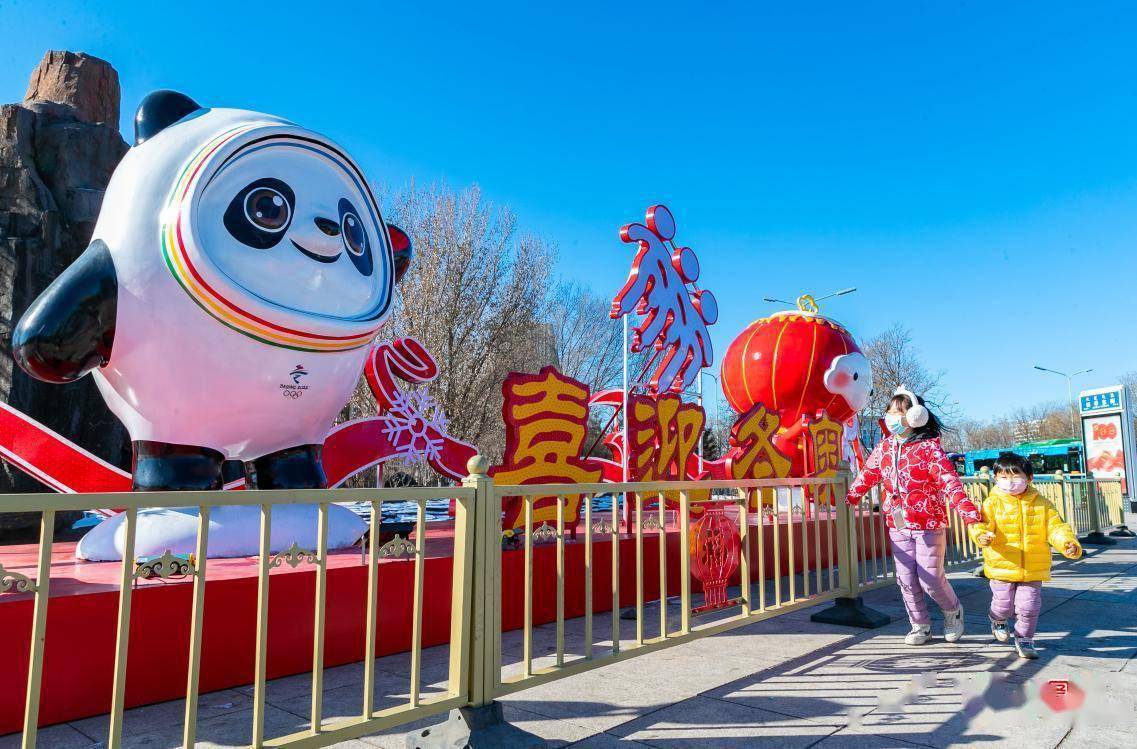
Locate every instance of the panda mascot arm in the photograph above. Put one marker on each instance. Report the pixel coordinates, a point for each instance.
(69, 329)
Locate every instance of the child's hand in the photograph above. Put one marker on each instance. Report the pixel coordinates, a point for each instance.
(985, 539)
(1072, 550)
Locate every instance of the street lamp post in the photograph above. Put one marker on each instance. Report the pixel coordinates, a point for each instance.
(1069, 391)
(703, 373)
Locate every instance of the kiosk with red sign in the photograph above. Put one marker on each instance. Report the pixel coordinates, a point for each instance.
(1107, 435)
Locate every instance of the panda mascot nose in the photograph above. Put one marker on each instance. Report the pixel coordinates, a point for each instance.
(319, 240)
(329, 227)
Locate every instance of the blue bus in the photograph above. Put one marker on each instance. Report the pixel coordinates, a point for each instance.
(1046, 456)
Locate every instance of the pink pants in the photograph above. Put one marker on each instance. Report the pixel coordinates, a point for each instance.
(919, 557)
(1024, 600)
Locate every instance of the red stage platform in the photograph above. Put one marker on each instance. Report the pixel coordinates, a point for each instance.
(79, 650)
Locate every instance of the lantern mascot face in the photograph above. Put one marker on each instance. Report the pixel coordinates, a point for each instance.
(238, 274)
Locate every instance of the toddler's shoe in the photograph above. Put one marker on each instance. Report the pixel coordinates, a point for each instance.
(1025, 648)
(1000, 630)
(953, 624)
(919, 634)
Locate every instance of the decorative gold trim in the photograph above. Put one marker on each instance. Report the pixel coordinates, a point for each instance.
(397, 547)
(293, 556)
(805, 303)
(767, 511)
(545, 533)
(651, 523)
(795, 315)
(14, 581)
(603, 527)
(165, 567)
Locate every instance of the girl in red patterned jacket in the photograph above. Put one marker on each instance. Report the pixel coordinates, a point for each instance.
(919, 483)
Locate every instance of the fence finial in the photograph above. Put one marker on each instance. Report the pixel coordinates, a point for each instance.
(477, 465)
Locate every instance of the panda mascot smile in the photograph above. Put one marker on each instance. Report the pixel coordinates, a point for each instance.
(238, 274)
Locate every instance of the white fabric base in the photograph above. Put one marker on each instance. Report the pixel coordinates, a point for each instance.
(233, 531)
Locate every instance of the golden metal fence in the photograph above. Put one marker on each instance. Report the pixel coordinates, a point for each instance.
(320, 732)
(781, 566)
(1087, 504)
(799, 544)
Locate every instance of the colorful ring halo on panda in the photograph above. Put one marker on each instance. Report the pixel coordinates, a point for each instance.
(217, 180)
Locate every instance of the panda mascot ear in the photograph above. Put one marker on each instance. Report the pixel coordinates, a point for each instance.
(159, 110)
(401, 249)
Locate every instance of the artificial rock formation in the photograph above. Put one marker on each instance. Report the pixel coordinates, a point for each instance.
(57, 151)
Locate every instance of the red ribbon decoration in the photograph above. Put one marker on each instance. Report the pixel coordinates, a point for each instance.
(360, 444)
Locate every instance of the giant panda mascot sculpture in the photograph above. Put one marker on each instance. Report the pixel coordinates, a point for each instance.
(237, 275)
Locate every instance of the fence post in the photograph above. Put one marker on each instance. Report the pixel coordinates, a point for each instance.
(849, 609)
(1122, 530)
(1095, 537)
(985, 476)
(480, 723)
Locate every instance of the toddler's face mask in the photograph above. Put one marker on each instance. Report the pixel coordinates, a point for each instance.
(894, 423)
(1016, 485)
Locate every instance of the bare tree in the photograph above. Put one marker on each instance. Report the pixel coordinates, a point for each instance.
(971, 434)
(1129, 382)
(587, 341)
(1044, 421)
(475, 295)
(895, 362)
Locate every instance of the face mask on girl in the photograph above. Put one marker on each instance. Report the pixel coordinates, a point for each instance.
(1012, 485)
(895, 423)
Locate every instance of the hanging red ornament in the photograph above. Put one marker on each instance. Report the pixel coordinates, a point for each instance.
(715, 550)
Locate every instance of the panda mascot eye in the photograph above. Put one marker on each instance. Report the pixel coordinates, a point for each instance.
(355, 237)
(260, 213)
(267, 208)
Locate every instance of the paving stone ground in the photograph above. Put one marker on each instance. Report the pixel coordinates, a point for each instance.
(784, 682)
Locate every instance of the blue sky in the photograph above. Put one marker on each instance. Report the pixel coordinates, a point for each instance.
(970, 167)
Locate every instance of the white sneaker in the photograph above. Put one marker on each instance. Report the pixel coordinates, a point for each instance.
(1000, 630)
(953, 624)
(1025, 648)
(919, 634)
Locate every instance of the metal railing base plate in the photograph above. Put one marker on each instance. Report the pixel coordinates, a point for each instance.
(482, 727)
(851, 612)
(1097, 538)
(1123, 532)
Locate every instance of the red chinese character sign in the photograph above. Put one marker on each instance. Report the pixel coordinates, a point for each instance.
(546, 423)
(757, 451)
(824, 450)
(664, 434)
(674, 313)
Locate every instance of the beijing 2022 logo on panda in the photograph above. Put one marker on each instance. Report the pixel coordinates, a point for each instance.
(295, 390)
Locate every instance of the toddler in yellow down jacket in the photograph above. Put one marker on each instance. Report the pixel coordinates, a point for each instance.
(1018, 528)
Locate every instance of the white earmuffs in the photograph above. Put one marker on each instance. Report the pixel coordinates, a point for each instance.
(917, 415)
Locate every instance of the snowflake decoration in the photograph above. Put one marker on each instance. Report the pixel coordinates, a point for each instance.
(415, 425)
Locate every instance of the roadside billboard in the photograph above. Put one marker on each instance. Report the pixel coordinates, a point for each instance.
(1106, 434)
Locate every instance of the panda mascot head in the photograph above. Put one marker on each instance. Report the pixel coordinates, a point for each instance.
(239, 272)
